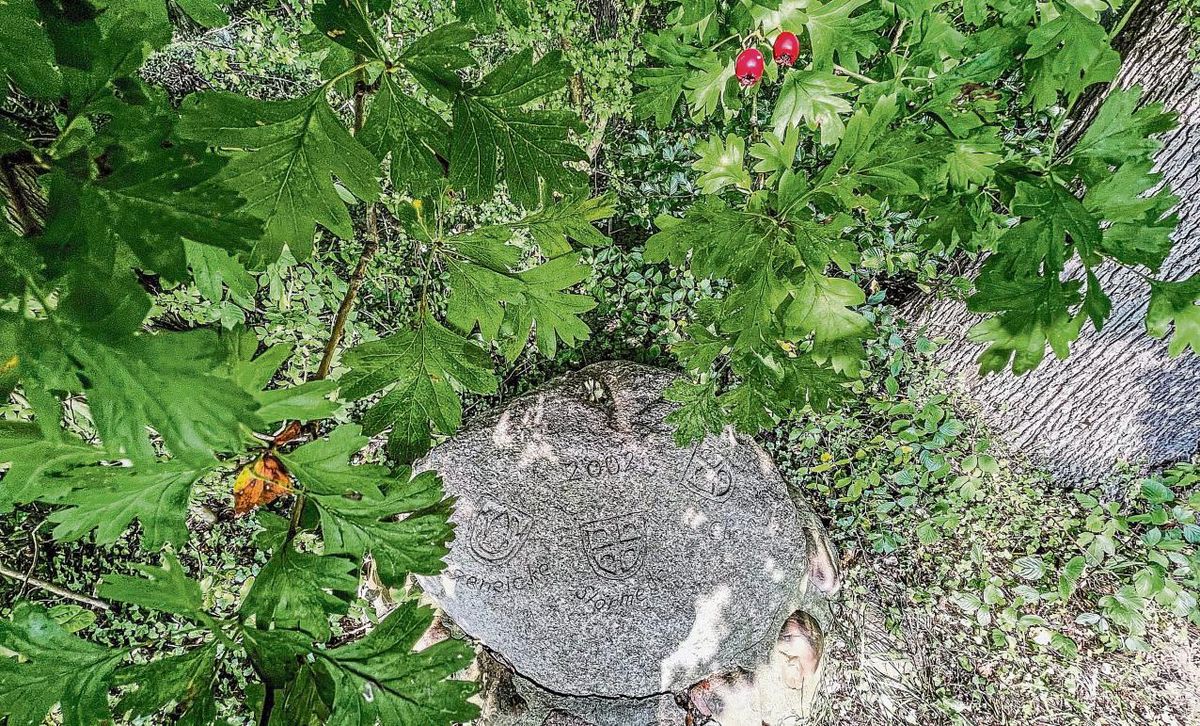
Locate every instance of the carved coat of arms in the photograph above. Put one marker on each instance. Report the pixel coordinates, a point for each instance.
(497, 531)
(616, 546)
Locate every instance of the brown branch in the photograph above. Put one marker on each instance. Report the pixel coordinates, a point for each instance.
(352, 288)
(368, 252)
(338, 330)
(56, 589)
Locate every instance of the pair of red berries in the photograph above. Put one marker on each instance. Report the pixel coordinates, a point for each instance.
(750, 62)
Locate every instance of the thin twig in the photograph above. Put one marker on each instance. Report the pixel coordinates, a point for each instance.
(338, 330)
(56, 589)
(353, 286)
(852, 74)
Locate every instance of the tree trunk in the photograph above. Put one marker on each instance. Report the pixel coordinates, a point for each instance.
(1118, 397)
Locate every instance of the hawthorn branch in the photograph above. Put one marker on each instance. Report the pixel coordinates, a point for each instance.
(56, 589)
(853, 74)
(338, 330)
(353, 286)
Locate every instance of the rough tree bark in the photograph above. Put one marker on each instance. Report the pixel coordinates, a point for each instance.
(1118, 397)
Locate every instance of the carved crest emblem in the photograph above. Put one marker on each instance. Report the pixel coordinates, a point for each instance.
(710, 479)
(616, 546)
(498, 531)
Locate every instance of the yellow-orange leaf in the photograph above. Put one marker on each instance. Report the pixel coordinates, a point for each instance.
(260, 482)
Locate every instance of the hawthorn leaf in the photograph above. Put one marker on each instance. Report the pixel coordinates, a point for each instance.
(416, 138)
(348, 23)
(1066, 55)
(568, 220)
(973, 161)
(26, 54)
(775, 154)
(1034, 312)
(804, 382)
(723, 164)
(151, 381)
(480, 280)
(323, 466)
(167, 588)
(707, 84)
(381, 679)
(284, 155)
(33, 460)
(299, 591)
(1124, 130)
(214, 270)
(1174, 309)
(823, 306)
(205, 12)
(697, 414)
(180, 684)
(543, 302)
(434, 58)
(700, 348)
(722, 241)
(1055, 206)
(359, 505)
(308, 401)
(424, 370)
(661, 89)
(833, 28)
(174, 187)
(108, 499)
(357, 523)
(51, 666)
(810, 98)
(495, 140)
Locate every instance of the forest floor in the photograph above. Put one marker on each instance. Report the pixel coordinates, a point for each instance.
(907, 652)
(896, 663)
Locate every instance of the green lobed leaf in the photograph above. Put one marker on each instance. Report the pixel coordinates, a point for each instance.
(380, 679)
(556, 314)
(284, 156)
(423, 370)
(495, 139)
(416, 139)
(35, 460)
(299, 591)
(1174, 309)
(698, 413)
(359, 506)
(27, 56)
(205, 12)
(107, 499)
(722, 163)
(167, 589)
(567, 220)
(50, 667)
(150, 381)
(181, 685)
(810, 98)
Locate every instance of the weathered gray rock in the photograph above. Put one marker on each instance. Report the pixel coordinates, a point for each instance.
(609, 567)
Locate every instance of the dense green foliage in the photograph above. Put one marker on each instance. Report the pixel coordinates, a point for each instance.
(915, 108)
(179, 247)
(131, 192)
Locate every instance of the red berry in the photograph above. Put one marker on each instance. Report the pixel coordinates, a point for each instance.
(787, 48)
(749, 67)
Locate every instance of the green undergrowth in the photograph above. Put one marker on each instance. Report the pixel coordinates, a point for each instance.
(1024, 586)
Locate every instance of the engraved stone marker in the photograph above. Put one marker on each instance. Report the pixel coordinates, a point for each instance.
(597, 558)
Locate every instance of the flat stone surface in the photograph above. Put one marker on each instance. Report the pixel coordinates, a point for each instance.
(600, 559)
